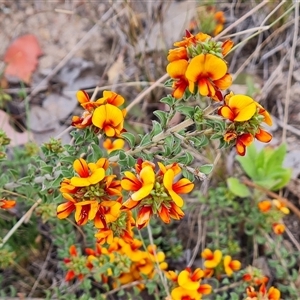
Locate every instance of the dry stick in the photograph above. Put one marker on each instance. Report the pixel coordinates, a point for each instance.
(146, 91)
(290, 74)
(196, 249)
(289, 204)
(244, 17)
(25, 218)
(42, 271)
(125, 286)
(292, 238)
(160, 273)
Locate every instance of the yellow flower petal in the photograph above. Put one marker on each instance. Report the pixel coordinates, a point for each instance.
(97, 176)
(177, 68)
(185, 281)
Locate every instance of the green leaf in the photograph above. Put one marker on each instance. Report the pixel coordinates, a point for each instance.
(186, 110)
(248, 162)
(162, 116)
(122, 155)
(130, 138)
(206, 169)
(275, 158)
(169, 100)
(145, 140)
(237, 188)
(190, 176)
(97, 152)
(130, 161)
(284, 179)
(185, 159)
(156, 129)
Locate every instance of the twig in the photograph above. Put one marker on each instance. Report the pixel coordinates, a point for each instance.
(44, 266)
(25, 218)
(196, 249)
(146, 91)
(289, 204)
(291, 67)
(82, 42)
(125, 286)
(160, 273)
(240, 20)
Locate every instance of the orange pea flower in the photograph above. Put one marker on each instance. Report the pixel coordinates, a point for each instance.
(242, 141)
(231, 265)
(212, 259)
(109, 119)
(191, 39)
(103, 113)
(220, 20)
(262, 293)
(177, 54)
(179, 293)
(155, 193)
(280, 206)
(115, 145)
(190, 280)
(85, 210)
(177, 69)
(278, 228)
(265, 205)
(238, 108)
(7, 204)
(88, 173)
(143, 217)
(183, 186)
(209, 73)
(141, 185)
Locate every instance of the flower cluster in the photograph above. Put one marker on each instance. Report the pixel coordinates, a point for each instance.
(103, 114)
(216, 264)
(120, 263)
(187, 284)
(262, 293)
(257, 286)
(96, 196)
(245, 116)
(274, 210)
(197, 64)
(155, 193)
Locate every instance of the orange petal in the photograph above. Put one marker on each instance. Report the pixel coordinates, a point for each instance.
(215, 67)
(65, 209)
(82, 97)
(148, 179)
(195, 68)
(226, 112)
(7, 204)
(263, 136)
(224, 82)
(130, 182)
(113, 98)
(81, 167)
(177, 68)
(183, 186)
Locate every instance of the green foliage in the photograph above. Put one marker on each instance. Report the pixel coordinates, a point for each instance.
(265, 167)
